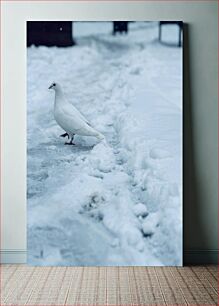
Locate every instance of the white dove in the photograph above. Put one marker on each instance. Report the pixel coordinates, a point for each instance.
(70, 119)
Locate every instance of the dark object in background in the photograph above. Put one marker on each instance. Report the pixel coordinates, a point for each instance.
(179, 23)
(50, 33)
(120, 27)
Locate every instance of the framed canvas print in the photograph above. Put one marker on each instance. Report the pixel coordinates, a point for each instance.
(104, 143)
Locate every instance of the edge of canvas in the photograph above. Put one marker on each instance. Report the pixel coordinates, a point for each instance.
(190, 257)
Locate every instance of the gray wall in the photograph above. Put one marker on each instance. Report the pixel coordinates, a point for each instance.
(200, 111)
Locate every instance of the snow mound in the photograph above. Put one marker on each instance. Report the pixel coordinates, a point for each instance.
(159, 153)
(140, 210)
(150, 223)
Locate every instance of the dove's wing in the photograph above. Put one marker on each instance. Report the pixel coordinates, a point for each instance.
(73, 111)
(70, 119)
(82, 117)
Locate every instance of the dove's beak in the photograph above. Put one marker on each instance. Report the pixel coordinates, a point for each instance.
(51, 86)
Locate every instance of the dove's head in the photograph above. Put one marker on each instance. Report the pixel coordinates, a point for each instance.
(55, 86)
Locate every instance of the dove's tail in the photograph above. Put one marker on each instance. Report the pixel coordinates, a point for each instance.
(100, 136)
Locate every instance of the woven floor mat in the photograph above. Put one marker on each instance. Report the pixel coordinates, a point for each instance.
(124, 286)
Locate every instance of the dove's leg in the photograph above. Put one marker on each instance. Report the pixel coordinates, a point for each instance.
(64, 135)
(71, 140)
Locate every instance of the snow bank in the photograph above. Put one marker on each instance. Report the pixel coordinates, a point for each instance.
(153, 146)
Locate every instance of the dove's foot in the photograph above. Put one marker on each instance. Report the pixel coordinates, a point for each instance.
(64, 135)
(71, 143)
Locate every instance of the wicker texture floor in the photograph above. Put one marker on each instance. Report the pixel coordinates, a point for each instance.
(24, 285)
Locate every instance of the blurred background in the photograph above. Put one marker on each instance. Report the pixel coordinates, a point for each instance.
(65, 33)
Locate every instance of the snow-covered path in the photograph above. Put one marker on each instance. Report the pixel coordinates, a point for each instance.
(107, 203)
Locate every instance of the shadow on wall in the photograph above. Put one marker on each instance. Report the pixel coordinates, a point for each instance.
(191, 210)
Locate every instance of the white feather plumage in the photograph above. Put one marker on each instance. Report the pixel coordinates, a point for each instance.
(69, 118)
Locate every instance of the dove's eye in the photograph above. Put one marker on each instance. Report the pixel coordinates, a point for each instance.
(54, 84)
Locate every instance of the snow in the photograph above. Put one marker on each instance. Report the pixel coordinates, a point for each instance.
(119, 201)
(150, 224)
(140, 210)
